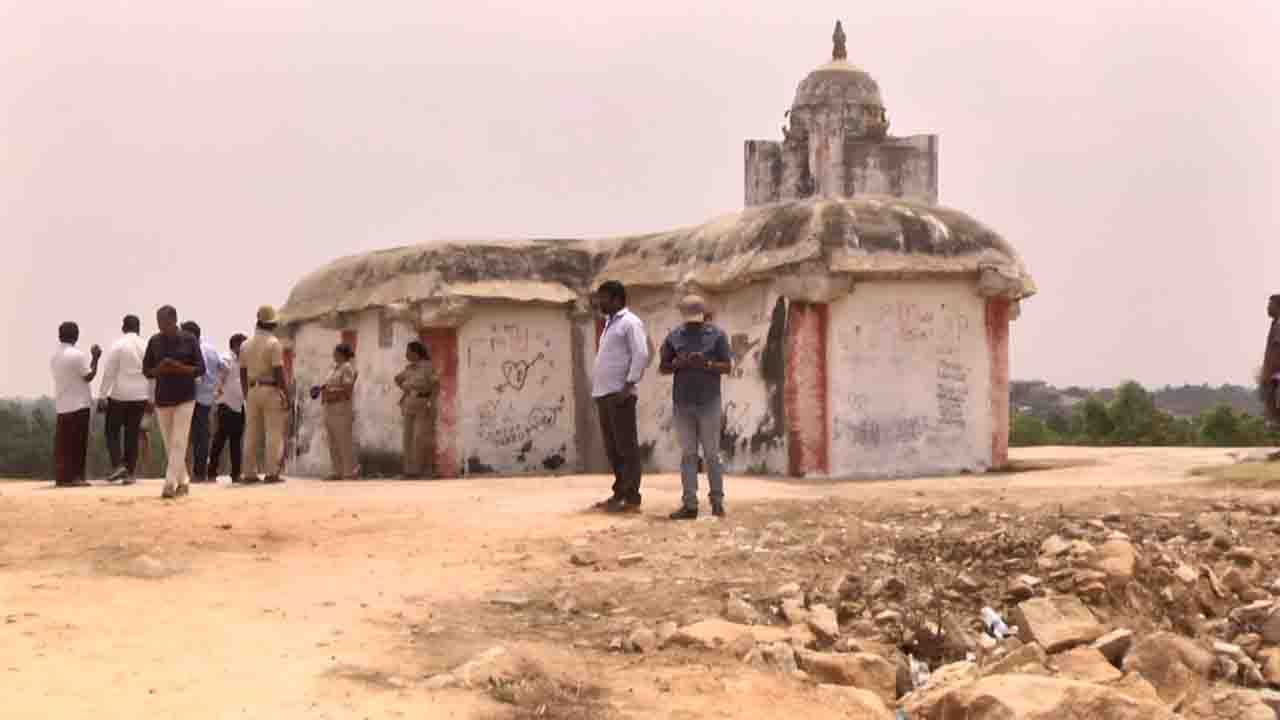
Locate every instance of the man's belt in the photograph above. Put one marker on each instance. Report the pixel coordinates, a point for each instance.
(423, 395)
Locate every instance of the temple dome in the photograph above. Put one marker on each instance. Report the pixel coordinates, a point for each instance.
(838, 83)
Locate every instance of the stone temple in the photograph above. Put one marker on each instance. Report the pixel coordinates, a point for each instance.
(870, 325)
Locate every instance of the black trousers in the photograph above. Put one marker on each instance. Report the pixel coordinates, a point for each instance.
(230, 429)
(70, 446)
(621, 443)
(127, 416)
(199, 441)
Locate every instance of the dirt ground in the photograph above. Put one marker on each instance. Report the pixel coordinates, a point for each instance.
(340, 600)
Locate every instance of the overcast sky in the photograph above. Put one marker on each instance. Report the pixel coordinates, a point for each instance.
(209, 154)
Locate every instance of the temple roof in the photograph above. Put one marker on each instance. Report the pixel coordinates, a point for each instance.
(866, 236)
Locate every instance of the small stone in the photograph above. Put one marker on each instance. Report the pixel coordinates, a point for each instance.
(965, 583)
(666, 631)
(794, 611)
(1253, 613)
(629, 559)
(583, 558)
(1030, 581)
(1251, 643)
(1243, 555)
(788, 590)
(513, 601)
(1086, 664)
(1054, 545)
(1230, 650)
(740, 611)
(615, 643)
(642, 640)
(1270, 659)
(1222, 541)
(822, 620)
(1058, 623)
(888, 617)
(1186, 574)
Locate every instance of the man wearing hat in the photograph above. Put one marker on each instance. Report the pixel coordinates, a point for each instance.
(266, 399)
(697, 354)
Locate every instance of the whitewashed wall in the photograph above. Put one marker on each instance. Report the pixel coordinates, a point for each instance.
(910, 377)
(516, 401)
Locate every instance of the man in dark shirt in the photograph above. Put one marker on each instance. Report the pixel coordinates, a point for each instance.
(174, 360)
(697, 353)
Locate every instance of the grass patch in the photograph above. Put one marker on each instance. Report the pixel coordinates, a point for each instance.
(1245, 474)
(532, 693)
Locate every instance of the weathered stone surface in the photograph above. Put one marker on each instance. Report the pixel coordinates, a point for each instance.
(1270, 659)
(493, 664)
(631, 558)
(789, 590)
(1029, 697)
(942, 681)
(515, 601)
(1030, 659)
(1271, 629)
(1054, 545)
(1114, 645)
(822, 620)
(739, 611)
(584, 558)
(857, 703)
(861, 670)
(1117, 558)
(1086, 664)
(1058, 623)
(1254, 613)
(1136, 687)
(642, 640)
(794, 611)
(1229, 705)
(713, 634)
(1178, 667)
(780, 657)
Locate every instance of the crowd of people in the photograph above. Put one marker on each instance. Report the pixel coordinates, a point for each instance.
(205, 401)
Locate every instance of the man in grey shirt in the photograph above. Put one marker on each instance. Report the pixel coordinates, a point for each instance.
(621, 359)
(697, 353)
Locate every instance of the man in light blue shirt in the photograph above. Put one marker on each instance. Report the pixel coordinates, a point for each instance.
(206, 389)
(621, 359)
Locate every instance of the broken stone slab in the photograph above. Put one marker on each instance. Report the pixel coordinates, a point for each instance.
(493, 664)
(739, 611)
(860, 670)
(1136, 687)
(1114, 645)
(717, 634)
(1270, 659)
(631, 558)
(822, 620)
(1058, 622)
(1178, 667)
(1254, 613)
(665, 632)
(1030, 659)
(789, 590)
(1117, 558)
(584, 558)
(1030, 697)
(1054, 545)
(856, 702)
(1186, 574)
(643, 640)
(779, 657)
(1086, 664)
(794, 611)
(1270, 629)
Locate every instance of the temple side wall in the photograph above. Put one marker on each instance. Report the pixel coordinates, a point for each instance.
(910, 381)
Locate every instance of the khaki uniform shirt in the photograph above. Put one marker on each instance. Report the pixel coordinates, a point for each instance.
(418, 381)
(260, 354)
(342, 377)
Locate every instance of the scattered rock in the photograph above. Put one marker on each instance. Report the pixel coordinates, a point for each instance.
(1186, 574)
(861, 670)
(1271, 629)
(788, 591)
(856, 702)
(1058, 623)
(1118, 559)
(966, 584)
(491, 665)
(1243, 555)
(1178, 667)
(1255, 613)
(794, 611)
(1114, 645)
(666, 631)
(1054, 545)
(1087, 664)
(779, 657)
(1229, 705)
(642, 640)
(584, 558)
(1030, 659)
(629, 559)
(888, 617)
(1270, 659)
(511, 600)
(716, 634)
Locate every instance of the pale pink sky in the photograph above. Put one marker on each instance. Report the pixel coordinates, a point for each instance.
(209, 154)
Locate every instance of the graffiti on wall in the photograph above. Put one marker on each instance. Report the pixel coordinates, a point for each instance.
(515, 373)
(501, 423)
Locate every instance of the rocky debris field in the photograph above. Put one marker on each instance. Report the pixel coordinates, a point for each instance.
(1109, 611)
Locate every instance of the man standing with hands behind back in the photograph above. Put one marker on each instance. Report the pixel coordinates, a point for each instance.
(72, 372)
(621, 360)
(697, 353)
(173, 359)
(266, 401)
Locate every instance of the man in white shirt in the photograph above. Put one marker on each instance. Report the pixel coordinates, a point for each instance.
(621, 359)
(72, 372)
(125, 392)
(206, 388)
(230, 397)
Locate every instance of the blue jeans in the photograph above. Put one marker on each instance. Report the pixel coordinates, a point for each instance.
(699, 426)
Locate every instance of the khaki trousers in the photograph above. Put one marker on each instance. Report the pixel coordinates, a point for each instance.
(339, 422)
(266, 413)
(420, 442)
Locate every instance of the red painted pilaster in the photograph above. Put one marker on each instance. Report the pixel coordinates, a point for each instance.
(998, 347)
(442, 343)
(349, 338)
(805, 390)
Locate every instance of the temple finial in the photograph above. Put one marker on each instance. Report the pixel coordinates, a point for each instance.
(838, 51)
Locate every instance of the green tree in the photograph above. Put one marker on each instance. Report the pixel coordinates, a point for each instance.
(1133, 415)
(1221, 427)
(1027, 430)
(1094, 425)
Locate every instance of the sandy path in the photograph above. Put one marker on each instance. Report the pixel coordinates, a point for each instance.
(114, 604)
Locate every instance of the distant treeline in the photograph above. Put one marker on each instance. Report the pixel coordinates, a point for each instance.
(26, 442)
(1226, 416)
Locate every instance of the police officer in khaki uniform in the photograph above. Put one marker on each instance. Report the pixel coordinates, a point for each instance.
(418, 383)
(266, 400)
(339, 414)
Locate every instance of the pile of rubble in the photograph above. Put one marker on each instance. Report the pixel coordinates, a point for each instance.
(1177, 620)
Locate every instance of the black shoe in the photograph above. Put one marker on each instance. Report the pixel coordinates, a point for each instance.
(717, 510)
(685, 513)
(622, 506)
(604, 504)
(247, 480)
(272, 479)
